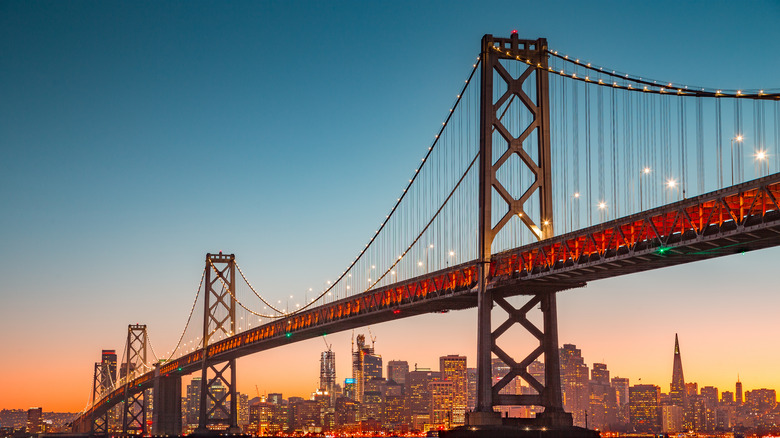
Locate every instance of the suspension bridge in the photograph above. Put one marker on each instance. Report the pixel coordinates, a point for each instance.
(548, 172)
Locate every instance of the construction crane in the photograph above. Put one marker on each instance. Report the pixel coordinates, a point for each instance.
(373, 338)
(326, 342)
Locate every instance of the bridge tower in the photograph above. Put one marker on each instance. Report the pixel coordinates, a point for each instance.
(540, 167)
(134, 412)
(100, 384)
(218, 401)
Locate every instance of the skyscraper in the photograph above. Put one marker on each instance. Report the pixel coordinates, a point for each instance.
(397, 371)
(108, 361)
(471, 397)
(644, 408)
(677, 388)
(600, 374)
(574, 383)
(441, 407)
(365, 366)
(419, 396)
(739, 392)
(328, 374)
(620, 385)
(602, 409)
(453, 369)
(193, 402)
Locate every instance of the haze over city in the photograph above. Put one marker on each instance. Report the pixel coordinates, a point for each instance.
(137, 137)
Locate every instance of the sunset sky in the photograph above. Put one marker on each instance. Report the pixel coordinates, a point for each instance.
(138, 136)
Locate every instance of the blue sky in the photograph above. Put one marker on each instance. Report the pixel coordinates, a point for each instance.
(137, 136)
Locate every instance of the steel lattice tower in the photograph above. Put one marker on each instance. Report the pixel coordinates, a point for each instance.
(219, 316)
(549, 392)
(134, 414)
(99, 387)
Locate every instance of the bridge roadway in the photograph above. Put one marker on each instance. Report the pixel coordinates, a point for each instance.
(740, 218)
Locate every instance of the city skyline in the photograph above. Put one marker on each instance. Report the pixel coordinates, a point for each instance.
(586, 391)
(105, 168)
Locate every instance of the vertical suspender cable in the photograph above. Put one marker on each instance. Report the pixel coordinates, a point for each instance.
(683, 150)
(719, 141)
(737, 157)
(600, 140)
(588, 156)
(576, 145)
(777, 137)
(613, 138)
(699, 146)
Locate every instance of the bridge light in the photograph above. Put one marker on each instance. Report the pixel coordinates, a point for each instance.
(288, 334)
(602, 205)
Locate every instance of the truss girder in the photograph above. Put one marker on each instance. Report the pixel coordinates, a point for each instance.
(654, 233)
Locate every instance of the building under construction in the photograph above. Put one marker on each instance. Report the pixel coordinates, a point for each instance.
(366, 365)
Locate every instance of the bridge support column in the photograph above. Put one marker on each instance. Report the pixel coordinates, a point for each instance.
(134, 412)
(219, 401)
(493, 128)
(548, 393)
(166, 417)
(99, 423)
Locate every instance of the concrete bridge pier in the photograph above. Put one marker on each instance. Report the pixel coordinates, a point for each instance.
(166, 419)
